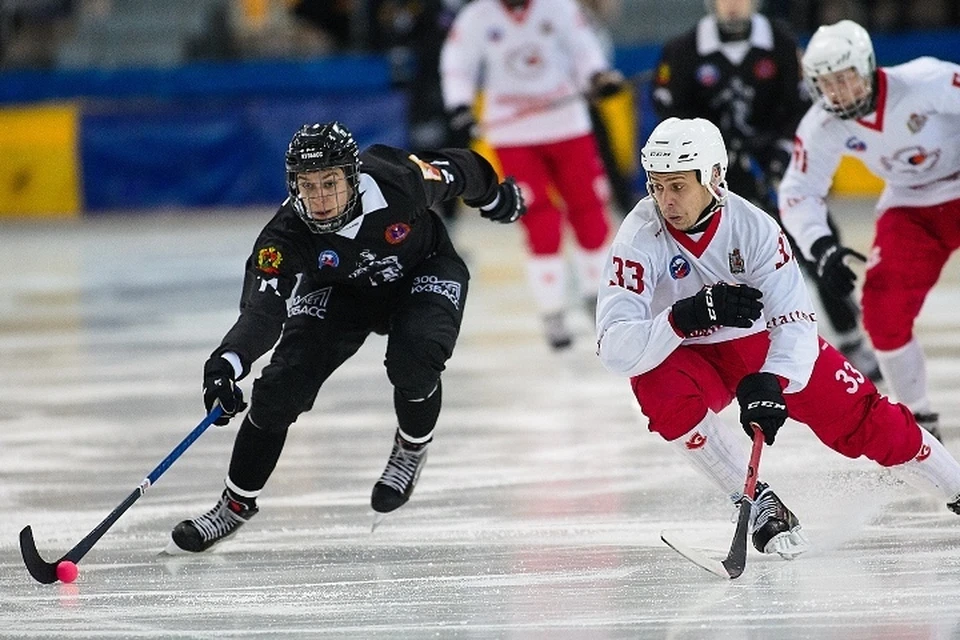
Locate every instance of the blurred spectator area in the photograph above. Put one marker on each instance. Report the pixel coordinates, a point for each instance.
(113, 33)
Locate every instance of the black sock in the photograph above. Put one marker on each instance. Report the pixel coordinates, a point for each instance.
(417, 418)
(255, 455)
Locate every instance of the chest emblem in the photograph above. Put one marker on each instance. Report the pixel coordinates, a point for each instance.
(269, 259)
(911, 160)
(328, 258)
(397, 233)
(765, 69)
(736, 261)
(708, 75)
(856, 144)
(679, 267)
(916, 122)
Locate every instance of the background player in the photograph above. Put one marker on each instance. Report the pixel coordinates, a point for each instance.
(903, 123)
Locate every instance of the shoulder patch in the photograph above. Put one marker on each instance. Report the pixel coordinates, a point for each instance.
(429, 171)
(269, 259)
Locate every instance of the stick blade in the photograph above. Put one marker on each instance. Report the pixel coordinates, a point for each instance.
(42, 571)
(697, 557)
(736, 559)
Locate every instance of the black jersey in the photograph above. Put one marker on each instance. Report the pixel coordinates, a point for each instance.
(377, 250)
(751, 89)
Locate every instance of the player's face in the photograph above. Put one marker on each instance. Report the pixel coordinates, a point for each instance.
(732, 10)
(680, 196)
(325, 193)
(843, 90)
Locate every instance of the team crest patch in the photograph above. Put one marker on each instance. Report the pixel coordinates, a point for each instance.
(328, 258)
(429, 171)
(396, 233)
(663, 74)
(916, 122)
(269, 259)
(736, 261)
(708, 75)
(679, 267)
(856, 144)
(765, 69)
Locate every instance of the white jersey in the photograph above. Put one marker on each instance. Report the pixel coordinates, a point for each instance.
(534, 64)
(652, 265)
(911, 141)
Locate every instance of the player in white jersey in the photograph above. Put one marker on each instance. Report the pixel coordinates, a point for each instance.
(703, 302)
(903, 122)
(536, 60)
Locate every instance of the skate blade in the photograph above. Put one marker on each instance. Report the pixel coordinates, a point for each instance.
(789, 545)
(377, 519)
(173, 550)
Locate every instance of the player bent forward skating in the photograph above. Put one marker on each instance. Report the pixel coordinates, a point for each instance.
(703, 302)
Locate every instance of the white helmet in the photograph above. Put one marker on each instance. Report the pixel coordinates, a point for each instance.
(688, 145)
(834, 48)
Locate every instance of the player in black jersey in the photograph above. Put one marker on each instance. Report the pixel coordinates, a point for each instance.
(355, 249)
(740, 70)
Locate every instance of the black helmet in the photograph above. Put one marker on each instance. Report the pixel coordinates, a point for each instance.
(324, 146)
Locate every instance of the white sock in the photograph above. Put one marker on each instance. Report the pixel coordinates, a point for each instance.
(547, 277)
(933, 470)
(589, 266)
(717, 451)
(905, 371)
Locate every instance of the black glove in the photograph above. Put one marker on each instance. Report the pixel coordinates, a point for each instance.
(762, 404)
(720, 304)
(832, 271)
(508, 206)
(220, 386)
(463, 126)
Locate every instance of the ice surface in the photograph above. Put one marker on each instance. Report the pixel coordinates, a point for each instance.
(537, 516)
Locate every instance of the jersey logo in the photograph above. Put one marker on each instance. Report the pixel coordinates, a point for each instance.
(313, 304)
(449, 289)
(914, 160)
(269, 259)
(856, 144)
(679, 267)
(396, 233)
(663, 74)
(916, 122)
(736, 261)
(708, 75)
(765, 69)
(695, 441)
(328, 258)
(429, 171)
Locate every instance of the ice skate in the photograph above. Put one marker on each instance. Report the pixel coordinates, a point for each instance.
(861, 356)
(930, 422)
(399, 478)
(222, 521)
(555, 328)
(774, 527)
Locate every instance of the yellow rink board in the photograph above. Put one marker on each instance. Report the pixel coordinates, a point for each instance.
(39, 169)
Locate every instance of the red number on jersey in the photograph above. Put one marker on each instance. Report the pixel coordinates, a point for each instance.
(783, 248)
(799, 155)
(628, 274)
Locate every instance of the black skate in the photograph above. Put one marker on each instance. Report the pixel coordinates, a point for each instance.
(930, 422)
(555, 328)
(399, 478)
(222, 521)
(775, 529)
